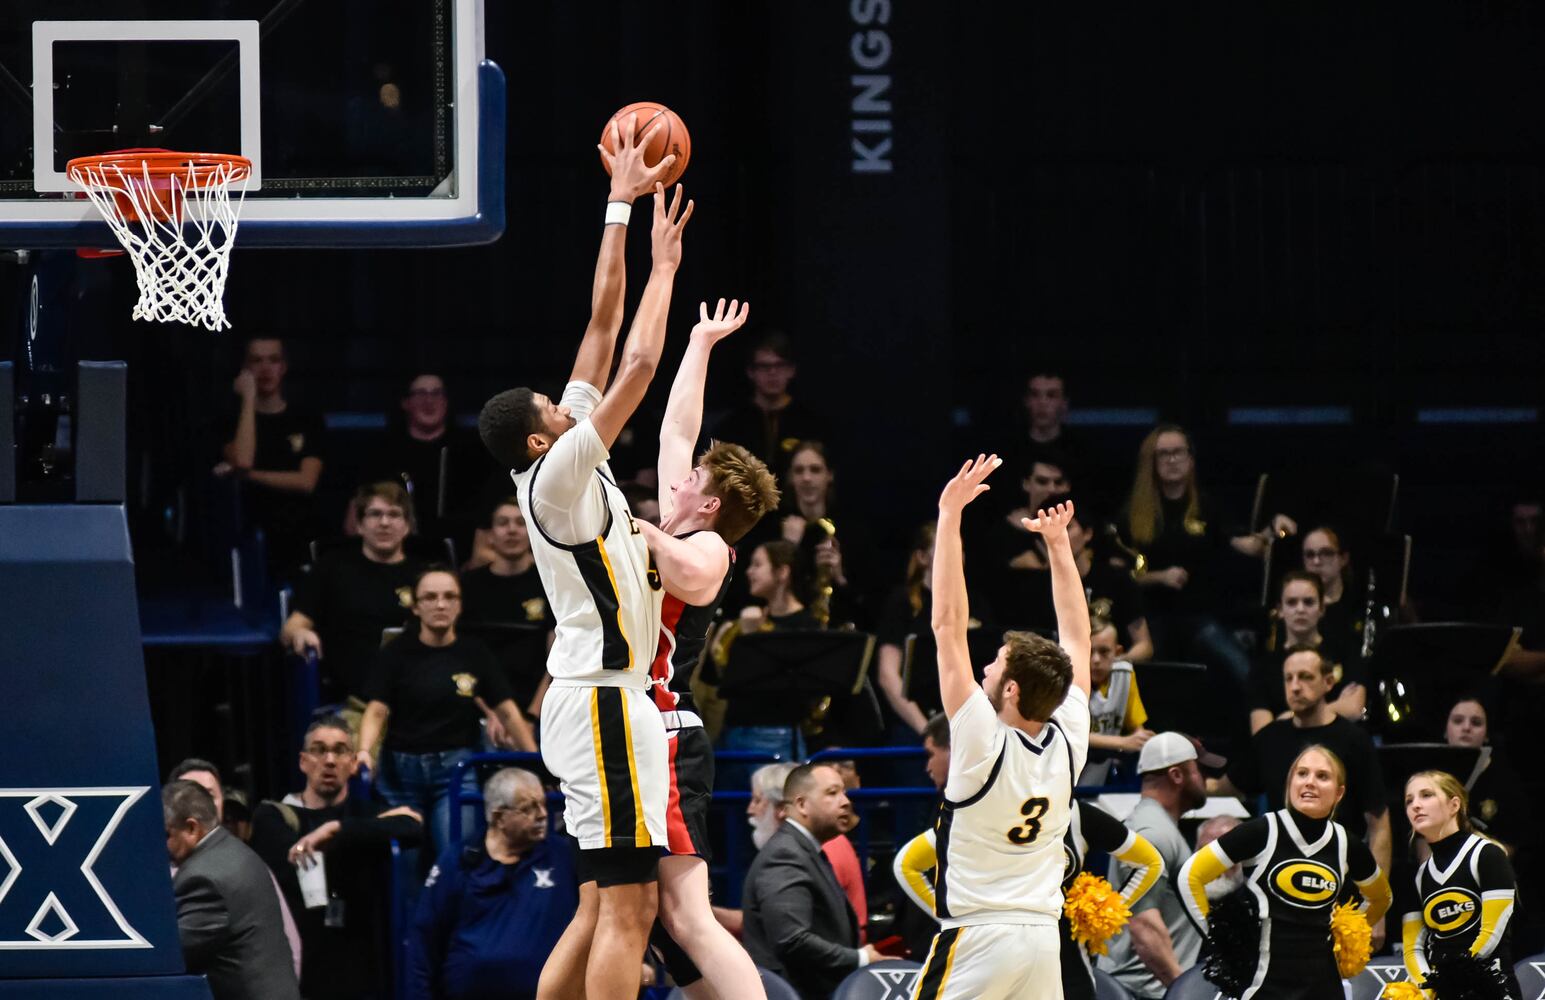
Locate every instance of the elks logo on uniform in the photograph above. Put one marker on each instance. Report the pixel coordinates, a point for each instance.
(50, 898)
(1304, 883)
(897, 983)
(1449, 912)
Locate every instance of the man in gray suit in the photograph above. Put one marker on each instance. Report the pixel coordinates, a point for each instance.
(227, 913)
(798, 922)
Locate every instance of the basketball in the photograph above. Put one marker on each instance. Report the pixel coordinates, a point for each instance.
(671, 137)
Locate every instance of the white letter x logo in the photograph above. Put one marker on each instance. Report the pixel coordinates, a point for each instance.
(47, 868)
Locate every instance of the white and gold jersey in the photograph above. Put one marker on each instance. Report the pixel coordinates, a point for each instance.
(1007, 805)
(594, 563)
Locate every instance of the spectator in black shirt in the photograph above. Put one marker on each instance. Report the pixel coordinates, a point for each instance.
(351, 595)
(1263, 768)
(341, 941)
(907, 612)
(1328, 559)
(412, 454)
(829, 546)
(1299, 623)
(1026, 598)
(1183, 538)
(275, 448)
(436, 689)
(509, 591)
(1496, 808)
(771, 423)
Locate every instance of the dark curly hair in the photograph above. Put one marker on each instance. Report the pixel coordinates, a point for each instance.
(506, 422)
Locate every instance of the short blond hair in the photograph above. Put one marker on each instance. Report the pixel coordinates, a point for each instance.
(746, 488)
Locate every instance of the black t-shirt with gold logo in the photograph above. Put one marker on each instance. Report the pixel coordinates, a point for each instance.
(352, 599)
(432, 692)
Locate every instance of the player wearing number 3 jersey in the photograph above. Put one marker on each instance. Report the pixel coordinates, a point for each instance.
(1017, 742)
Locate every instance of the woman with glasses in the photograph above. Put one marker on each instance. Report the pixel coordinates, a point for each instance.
(435, 688)
(1182, 535)
(1328, 559)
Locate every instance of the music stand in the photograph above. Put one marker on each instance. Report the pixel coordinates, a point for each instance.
(920, 661)
(766, 670)
(1418, 671)
(1180, 696)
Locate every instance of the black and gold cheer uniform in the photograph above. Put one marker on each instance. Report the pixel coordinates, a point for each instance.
(1296, 867)
(1465, 893)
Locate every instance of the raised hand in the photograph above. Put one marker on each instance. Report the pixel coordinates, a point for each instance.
(1050, 524)
(722, 323)
(245, 385)
(969, 483)
(665, 237)
(631, 179)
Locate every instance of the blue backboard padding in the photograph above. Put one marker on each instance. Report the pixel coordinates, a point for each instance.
(483, 226)
(78, 776)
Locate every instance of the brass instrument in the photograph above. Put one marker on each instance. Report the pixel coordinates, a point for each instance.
(1139, 561)
(821, 606)
(814, 722)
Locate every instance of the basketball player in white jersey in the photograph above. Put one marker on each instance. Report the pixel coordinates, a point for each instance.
(1015, 749)
(601, 735)
(703, 509)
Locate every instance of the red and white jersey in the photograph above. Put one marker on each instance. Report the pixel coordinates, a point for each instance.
(683, 634)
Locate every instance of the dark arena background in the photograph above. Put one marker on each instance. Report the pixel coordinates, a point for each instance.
(1311, 235)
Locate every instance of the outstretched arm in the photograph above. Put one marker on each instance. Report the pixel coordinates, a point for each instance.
(630, 181)
(641, 352)
(692, 569)
(684, 412)
(1067, 588)
(951, 610)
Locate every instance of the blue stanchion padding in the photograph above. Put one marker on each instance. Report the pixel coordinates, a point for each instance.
(85, 889)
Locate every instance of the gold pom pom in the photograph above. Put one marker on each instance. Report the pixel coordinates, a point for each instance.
(1095, 911)
(1402, 991)
(1353, 940)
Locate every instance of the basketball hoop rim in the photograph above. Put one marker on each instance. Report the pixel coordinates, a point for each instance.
(163, 163)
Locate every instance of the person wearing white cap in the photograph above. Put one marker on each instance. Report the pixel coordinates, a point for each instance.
(1160, 942)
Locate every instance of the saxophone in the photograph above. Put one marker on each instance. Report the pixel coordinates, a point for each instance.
(814, 722)
(821, 606)
(1139, 561)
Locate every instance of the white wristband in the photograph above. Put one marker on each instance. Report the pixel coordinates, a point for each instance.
(618, 213)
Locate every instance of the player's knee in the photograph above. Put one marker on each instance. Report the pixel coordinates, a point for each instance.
(629, 908)
(684, 922)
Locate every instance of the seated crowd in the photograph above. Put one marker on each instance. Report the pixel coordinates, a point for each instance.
(430, 626)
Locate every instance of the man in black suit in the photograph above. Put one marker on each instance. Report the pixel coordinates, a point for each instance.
(227, 913)
(798, 922)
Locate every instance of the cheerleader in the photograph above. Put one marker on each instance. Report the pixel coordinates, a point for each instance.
(1090, 827)
(1296, 861)
(1464, 892)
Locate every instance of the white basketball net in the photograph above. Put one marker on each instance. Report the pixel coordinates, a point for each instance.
(180, 235)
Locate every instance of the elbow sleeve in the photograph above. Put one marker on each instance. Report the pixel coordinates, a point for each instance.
(1377, 893)
(1204, 866)
(1144, 857)
(1496, 911)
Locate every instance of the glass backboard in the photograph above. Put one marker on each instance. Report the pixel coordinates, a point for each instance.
(368, 122)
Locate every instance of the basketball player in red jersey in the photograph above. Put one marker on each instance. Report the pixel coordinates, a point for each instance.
(704, 508)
